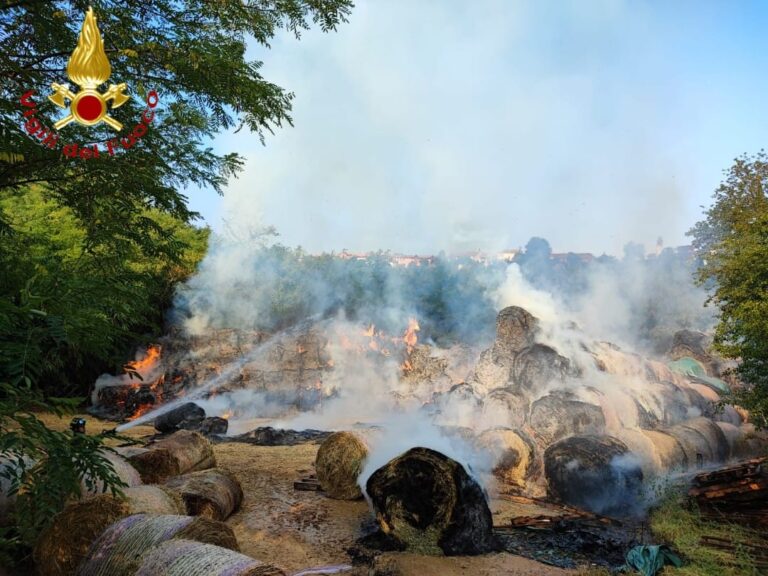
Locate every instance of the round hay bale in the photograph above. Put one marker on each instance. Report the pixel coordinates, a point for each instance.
(504, 407)
(187, 416)
(556, 416)
(182, 452)
(188, 558)
(214, 425)
(428, 503)
(123, 469)
(214, 493)
(515, 329)
(120, 548)
(537, 366)
(338, 463)
(668, 453)
(597, 473)
(63, 545)
(515, 456)
(702, 441)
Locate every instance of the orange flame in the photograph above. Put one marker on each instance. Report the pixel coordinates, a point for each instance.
(88, 66)
(149, 360)
(410, 337)
(227, 415)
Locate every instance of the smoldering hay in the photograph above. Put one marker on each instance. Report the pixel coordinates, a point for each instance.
(542, 379)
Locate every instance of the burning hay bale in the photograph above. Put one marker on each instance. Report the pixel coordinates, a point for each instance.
(214, 425)
(538, 365)
(505, 407)
(515, 455)
(189, 558)
(339, 462)
(429, 504)
(120, 548)
(213, 494)
(63, 545)
(558, 415)
(182, 452)
(188, 416)
(515, 330)
(597, 473)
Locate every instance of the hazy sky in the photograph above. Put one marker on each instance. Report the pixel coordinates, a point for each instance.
(424, 125)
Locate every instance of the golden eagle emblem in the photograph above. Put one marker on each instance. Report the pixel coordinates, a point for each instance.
(89, 68)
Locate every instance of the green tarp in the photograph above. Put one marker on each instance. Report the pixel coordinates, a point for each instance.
(692, 368)
(648, 560)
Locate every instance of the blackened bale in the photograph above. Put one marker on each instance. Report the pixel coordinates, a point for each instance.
(597, 473)
(431, 505)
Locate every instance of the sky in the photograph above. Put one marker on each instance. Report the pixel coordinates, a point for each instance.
(429, 125)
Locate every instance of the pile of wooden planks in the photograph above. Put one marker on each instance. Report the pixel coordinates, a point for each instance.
(737, 493)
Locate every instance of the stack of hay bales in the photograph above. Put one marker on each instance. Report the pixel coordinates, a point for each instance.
(182, 452)
(339, 462)
(64, 544)
(121, 548)
(213, 494)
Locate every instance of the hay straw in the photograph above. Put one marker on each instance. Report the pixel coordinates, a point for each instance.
(214, 493)
(60, 548)
(120, 548)
(339, 463)
(182, 452)
(188, 558)
(123, 469)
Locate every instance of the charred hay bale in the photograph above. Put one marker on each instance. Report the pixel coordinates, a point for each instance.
(339, 462)
(505, 407)
(120, 548)
(431, 505)
(213, 493)
(514, 455)
(214, 425)
(188, 416)
(538, 365)
(556, 416)
(597, 473)
(702, 441)
(188, 558)
(124, 470)
(515, 330)
(62, 546)
(183, 451)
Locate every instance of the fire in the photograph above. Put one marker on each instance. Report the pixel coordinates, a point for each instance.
(227, 415)
(410, 337)
(146, 363)
(140, 411)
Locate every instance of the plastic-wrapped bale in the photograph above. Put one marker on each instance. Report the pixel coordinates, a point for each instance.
(182, 452)
(189, 558)
(556, 416)
(538, 365)
(188, 416)
(505, 407)
(123, 469)
(515, 456)
(597, 473)
(702, 441)
(213, 493)
(431, 505)
(338, 464)
(63, 545)
(120, 548)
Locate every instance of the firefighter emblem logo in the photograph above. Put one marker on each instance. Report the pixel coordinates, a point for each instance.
(89, 68)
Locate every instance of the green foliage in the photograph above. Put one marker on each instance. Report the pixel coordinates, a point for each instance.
(675, 523)
(733, 240)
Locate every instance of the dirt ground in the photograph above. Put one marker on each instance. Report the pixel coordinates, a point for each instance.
(296, 530)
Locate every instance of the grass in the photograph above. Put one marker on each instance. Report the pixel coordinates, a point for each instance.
(681, 527)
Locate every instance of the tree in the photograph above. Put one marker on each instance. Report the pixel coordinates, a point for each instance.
(732, 241)
(117, 232)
